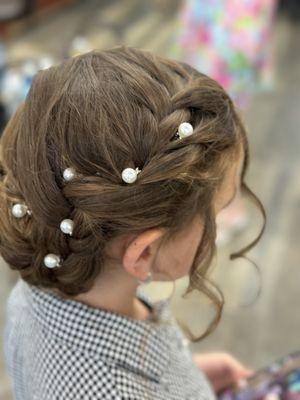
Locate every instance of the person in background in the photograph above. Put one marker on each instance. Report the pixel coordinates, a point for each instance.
(231, 42)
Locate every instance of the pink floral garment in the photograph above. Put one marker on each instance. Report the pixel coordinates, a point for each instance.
(228, 40)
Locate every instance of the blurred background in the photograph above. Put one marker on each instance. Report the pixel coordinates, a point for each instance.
(252, 48)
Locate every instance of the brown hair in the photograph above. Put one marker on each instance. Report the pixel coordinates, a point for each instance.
(99, 113)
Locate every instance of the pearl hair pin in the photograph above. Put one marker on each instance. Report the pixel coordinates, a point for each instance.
(20, 210)
(129, 175)
(184, 130)
(69, 174)
(66, 226)
(52, 261)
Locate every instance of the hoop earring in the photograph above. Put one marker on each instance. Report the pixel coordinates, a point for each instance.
(146, 280)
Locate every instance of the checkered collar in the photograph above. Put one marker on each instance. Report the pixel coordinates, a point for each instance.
(140, 346)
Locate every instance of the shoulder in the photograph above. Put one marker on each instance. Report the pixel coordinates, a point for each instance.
(67, 373)
(55, 368)
(63, 372)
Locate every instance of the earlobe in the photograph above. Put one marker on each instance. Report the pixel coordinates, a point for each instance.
(140, 253)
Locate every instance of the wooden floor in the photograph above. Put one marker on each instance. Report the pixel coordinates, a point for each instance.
(270, 327)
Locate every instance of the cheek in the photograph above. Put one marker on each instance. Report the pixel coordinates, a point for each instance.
(178, 259)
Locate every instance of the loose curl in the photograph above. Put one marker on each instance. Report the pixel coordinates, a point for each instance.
(99, 113)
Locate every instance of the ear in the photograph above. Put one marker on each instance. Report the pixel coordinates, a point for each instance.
(140, 253)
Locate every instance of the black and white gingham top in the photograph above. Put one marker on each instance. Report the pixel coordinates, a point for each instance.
(58, 349)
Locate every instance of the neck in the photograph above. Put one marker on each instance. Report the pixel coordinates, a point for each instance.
(115, 292)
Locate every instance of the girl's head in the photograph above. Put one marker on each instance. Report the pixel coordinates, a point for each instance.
(99, 113)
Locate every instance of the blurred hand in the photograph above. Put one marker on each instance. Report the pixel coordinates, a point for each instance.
(222, 370)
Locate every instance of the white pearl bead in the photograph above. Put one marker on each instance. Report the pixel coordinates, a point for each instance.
(20, 210)
(185, 129)
(129, 175)
(52, 261)
(69, 174)
(66, 226)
